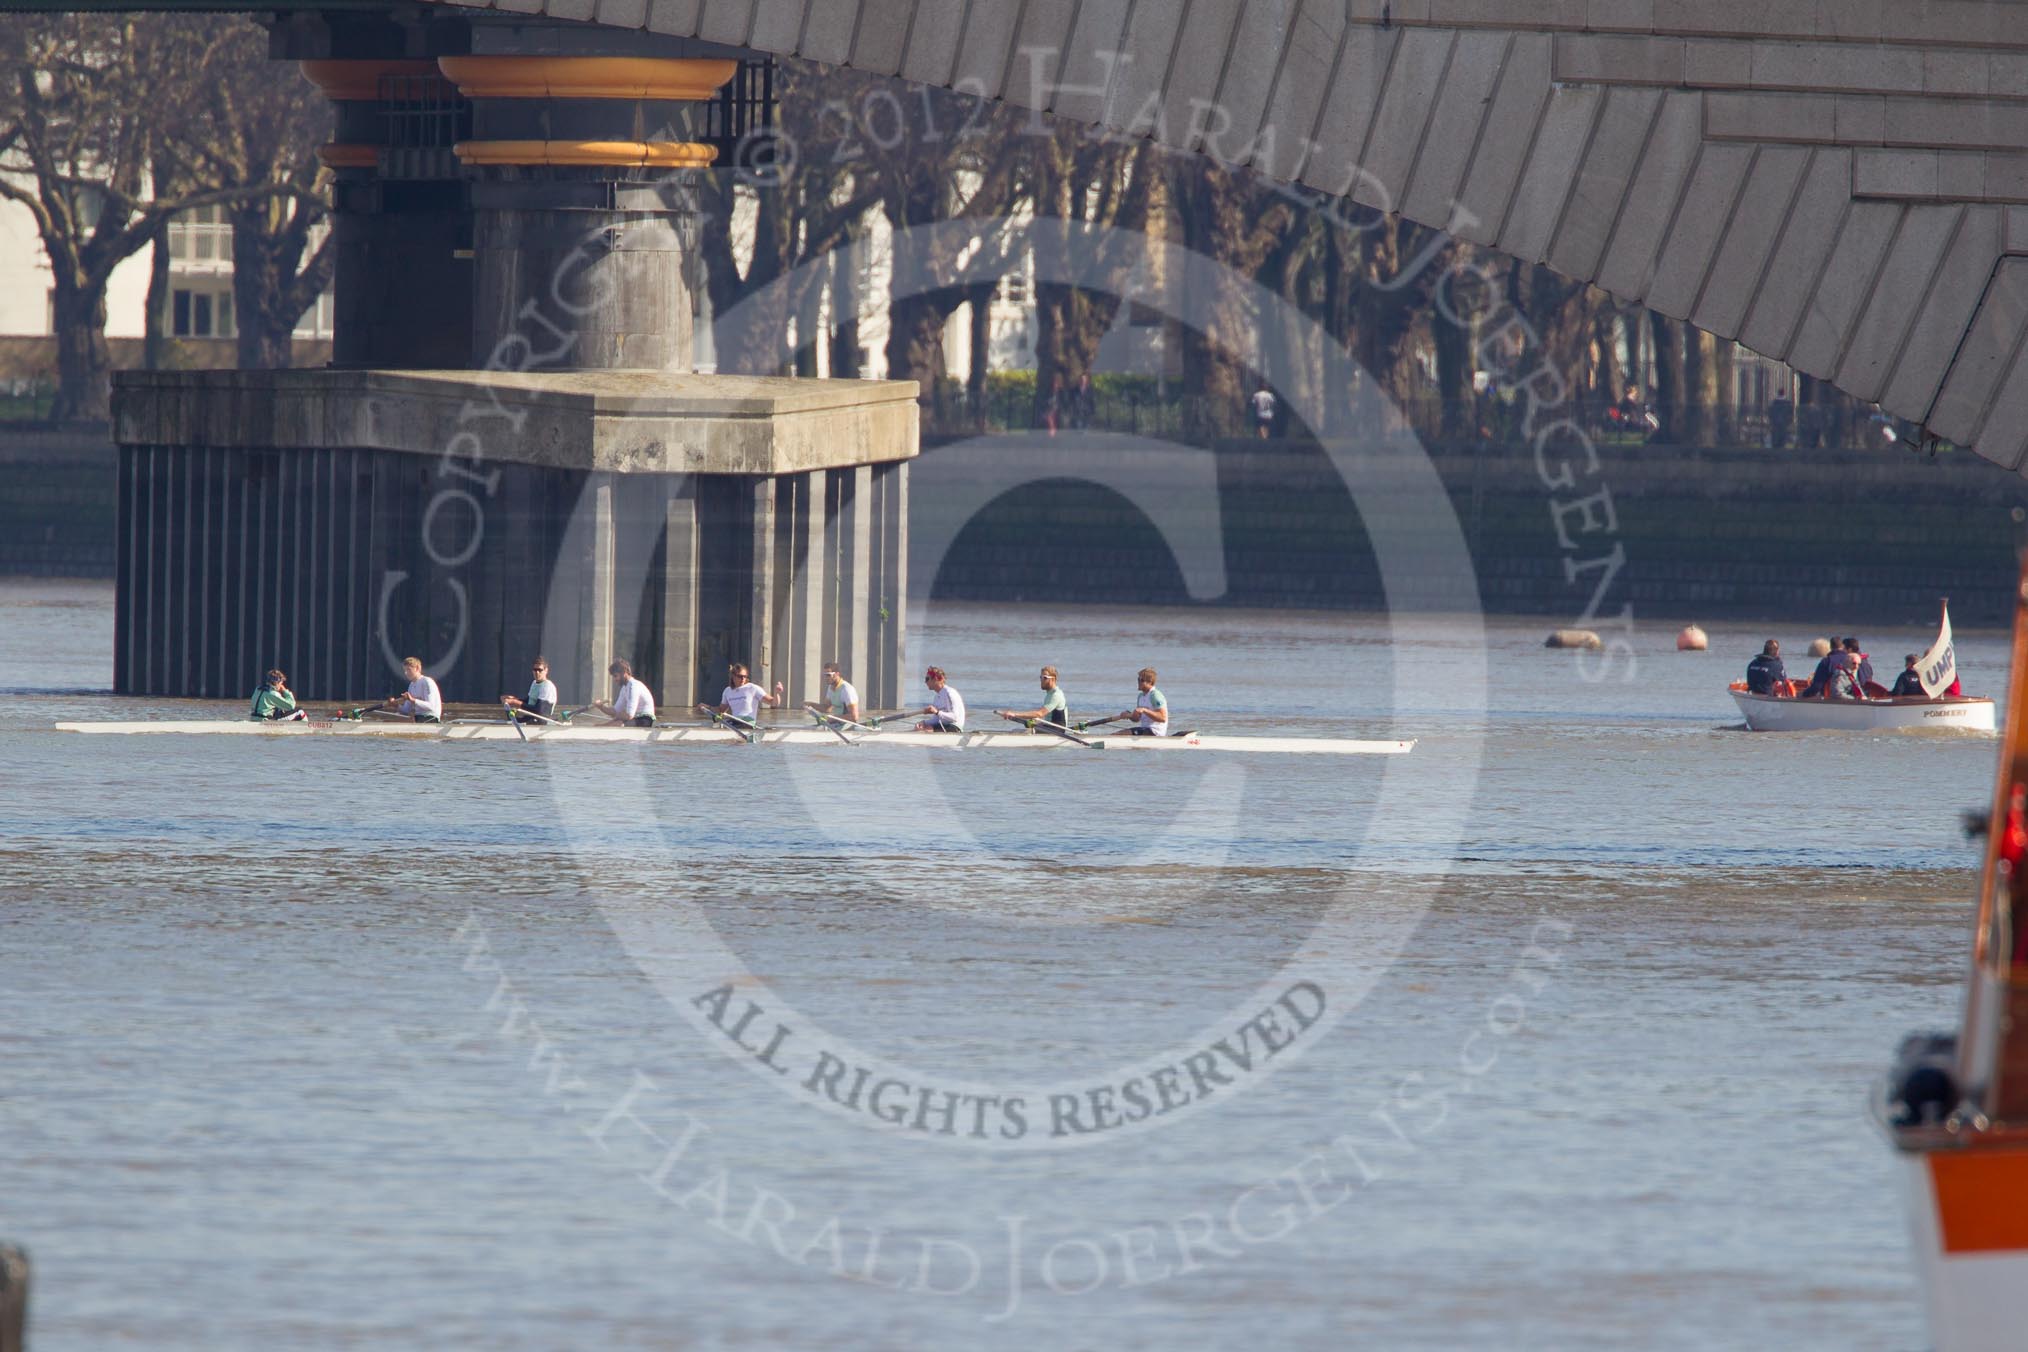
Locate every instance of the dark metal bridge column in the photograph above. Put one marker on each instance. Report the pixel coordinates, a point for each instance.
(586, 223)
(400, 221)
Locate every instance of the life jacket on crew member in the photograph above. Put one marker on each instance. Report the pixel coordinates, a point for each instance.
(2013, 846)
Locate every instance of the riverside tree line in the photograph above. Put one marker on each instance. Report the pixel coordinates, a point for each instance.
(111, 125)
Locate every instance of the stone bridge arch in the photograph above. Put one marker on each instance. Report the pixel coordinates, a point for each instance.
(1839, 184)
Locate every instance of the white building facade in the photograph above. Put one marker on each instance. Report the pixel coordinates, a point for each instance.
(198, 310)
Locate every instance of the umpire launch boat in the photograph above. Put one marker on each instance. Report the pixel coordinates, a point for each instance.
(1770, 713)
(1956, 1104)
(1934, 710)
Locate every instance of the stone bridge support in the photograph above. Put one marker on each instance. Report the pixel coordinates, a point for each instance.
(511, 454)
(331, 523)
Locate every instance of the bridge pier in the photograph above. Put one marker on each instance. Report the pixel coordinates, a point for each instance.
(14, 1271)
(330, 523)
(509, 454)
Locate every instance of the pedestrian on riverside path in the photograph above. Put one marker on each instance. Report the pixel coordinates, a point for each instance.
(1083, 402)
(1263, 402)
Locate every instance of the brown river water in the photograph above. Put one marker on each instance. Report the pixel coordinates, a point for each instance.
(1555, 1034)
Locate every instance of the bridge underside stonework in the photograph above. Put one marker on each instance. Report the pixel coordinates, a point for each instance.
(1840, 184)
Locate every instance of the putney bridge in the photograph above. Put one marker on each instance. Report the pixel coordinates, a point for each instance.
(1840, 184)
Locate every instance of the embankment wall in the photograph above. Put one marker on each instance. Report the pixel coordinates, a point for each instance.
(1873, 536)
(1835, 536)
(58, 492)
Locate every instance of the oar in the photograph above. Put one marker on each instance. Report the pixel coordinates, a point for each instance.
(749, 732)
(879, 721)
(1095, 723)
(823, 717)
(899, 715)
(837, 725)
(352, 715)
(1044, 725)
(515, 721)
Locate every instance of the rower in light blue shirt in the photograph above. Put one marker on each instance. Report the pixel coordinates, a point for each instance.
(841, 696)
(1150, 714)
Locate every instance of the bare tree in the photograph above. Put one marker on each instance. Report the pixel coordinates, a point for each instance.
(1700, 386)
(1572, 328)
(1452, 337)
(934, 156)
(1087, 188)
(782, 222)
(252, 126)
(80, 121)
(846, 353)
(1668, 391)
(1254, 232)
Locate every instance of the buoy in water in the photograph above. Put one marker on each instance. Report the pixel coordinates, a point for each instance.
(1820, 647)
(1692, 640)
(1573, 638)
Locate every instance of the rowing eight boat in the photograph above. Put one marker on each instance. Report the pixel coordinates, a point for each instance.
(491, 730)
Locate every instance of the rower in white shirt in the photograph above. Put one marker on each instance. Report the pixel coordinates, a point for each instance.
(541, 700)
(946, 709)
(632, 705)
(741, 701)
(844, 700)
(422, 702)
(1150, 714)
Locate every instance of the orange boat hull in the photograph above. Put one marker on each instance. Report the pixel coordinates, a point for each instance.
(1968, 1218)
